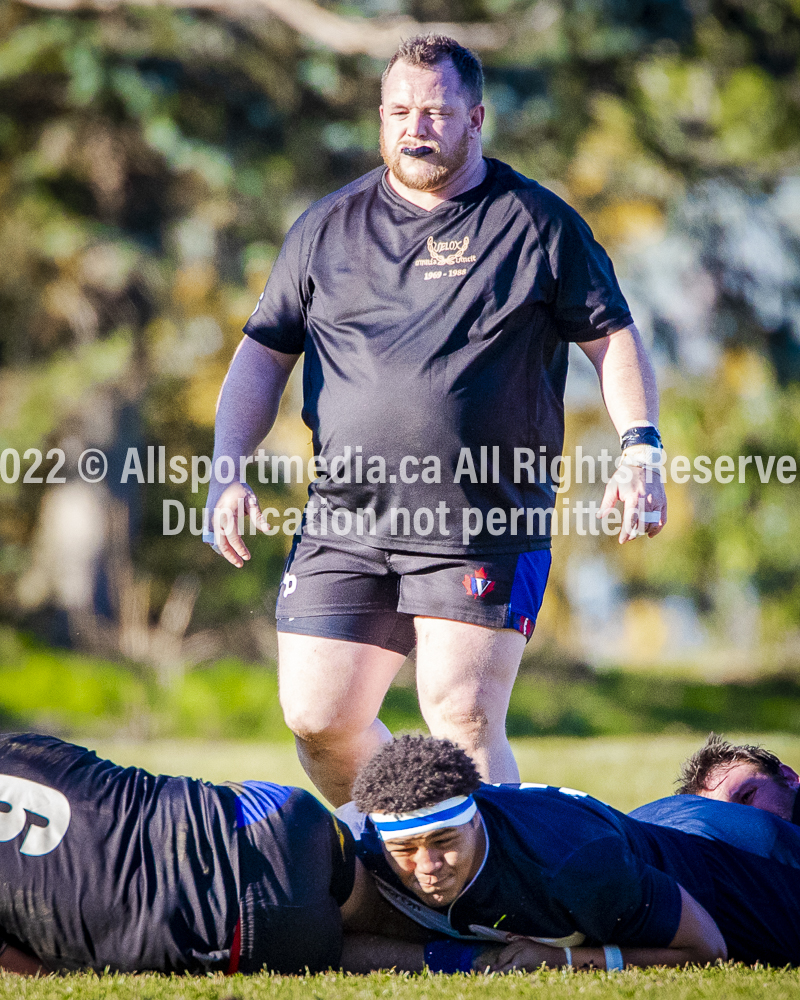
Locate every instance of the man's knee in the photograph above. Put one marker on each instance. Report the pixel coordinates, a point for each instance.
(467, 722)
(321, 724)
(312, 723)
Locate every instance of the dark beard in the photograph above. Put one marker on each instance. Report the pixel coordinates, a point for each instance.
(433, 178)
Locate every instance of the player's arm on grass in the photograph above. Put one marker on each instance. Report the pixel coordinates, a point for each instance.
(364, 953)
(630, 393)
(20, 963)
(246, 410)
(367, 911)
(697, 941)
(400, 943)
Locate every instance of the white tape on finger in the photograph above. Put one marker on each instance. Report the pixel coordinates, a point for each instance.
(651, 517)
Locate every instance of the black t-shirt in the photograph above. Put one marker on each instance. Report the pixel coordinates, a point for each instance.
(104, 866)
(108, 866)
(436, 347)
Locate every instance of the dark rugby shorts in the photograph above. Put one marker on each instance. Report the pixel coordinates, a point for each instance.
(337, 588)
(296, 867)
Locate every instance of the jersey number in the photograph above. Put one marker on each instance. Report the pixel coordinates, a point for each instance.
(19, 795)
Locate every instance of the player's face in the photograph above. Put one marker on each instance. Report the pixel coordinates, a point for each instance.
(437, 866)
(745, 784)
(428, 130)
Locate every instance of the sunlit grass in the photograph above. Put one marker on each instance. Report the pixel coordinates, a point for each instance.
(623, 771)
(721, 983)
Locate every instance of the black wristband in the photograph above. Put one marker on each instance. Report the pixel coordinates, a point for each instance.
(641, 435)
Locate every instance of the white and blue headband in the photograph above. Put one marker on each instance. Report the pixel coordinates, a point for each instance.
(452, 812)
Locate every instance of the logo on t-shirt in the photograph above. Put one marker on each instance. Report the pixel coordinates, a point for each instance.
(477, 584)
(446, 253)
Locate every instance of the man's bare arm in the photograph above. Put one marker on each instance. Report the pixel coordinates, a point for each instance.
(20, 963)
(363, 953)
(246, 410)
(630, 393)
(366, 910)
(627, 380)
(697, 941)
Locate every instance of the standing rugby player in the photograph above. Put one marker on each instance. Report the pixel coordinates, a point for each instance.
(435, 300)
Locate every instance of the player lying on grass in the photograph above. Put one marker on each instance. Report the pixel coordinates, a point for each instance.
(556, 865)
(716, 782)
(749, 775)
(103, 866)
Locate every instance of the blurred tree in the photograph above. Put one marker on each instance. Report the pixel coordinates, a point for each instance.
(153, 158)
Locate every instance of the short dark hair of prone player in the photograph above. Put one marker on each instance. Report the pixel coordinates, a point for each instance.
(428, 50)
(413, 772)
(717, 753)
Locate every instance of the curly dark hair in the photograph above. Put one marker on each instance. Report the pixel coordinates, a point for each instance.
(428, 50)
(412, 772)
(716, 753)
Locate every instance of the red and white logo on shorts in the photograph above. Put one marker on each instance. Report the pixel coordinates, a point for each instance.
(477, 584)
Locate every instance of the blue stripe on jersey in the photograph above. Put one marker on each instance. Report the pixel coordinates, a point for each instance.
(258, 799)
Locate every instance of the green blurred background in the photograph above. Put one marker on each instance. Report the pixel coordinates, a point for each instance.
(153, 159)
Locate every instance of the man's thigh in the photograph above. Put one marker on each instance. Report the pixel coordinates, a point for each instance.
(466, 671)
(332, 685)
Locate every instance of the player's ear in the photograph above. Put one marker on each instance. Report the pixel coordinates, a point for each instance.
(476, 116)
(790, 775)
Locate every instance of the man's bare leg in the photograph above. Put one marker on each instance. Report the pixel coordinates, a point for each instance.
(331, 692)
(465, 674)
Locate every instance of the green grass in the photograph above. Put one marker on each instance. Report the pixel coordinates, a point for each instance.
(623, 771)
(721, 983)
(56, 691)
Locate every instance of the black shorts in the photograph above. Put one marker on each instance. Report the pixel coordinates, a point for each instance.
(297, 866)
(342, 589)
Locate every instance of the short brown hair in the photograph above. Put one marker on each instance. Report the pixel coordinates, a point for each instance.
(716, 753)
(428, 50)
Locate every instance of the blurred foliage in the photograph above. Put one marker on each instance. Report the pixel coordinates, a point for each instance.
(151, 161)
(83, 697)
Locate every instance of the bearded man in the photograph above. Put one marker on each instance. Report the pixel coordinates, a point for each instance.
(435, 300)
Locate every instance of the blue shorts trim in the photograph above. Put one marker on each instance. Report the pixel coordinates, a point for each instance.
(258, 799)
(527, 590)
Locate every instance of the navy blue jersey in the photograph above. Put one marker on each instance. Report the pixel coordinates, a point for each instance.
(744, 827)
(103, 866)
(442, 336)
(564, 867)
(753, 860)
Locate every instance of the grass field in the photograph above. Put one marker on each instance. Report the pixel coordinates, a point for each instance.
(721, 983)
(625, 772)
